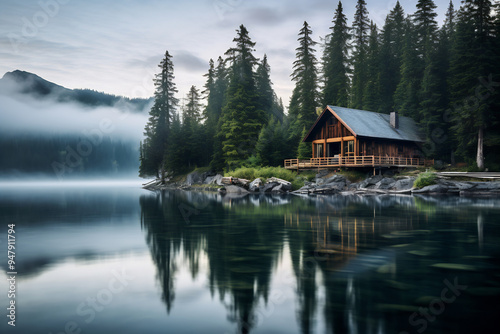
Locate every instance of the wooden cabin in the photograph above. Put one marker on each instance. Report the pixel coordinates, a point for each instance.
(343, 137)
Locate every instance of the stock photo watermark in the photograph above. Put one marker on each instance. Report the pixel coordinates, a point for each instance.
(74, 156)
(224, 7)
(30, 26)
(421, 319)
(87, 310)
(11, 274)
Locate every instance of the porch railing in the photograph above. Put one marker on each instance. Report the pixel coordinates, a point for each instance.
(357, 161)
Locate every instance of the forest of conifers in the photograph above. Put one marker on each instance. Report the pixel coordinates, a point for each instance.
(443, 75)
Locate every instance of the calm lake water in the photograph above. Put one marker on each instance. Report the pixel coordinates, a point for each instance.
(119, 259)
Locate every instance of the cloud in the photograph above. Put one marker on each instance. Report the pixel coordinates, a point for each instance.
(265, 16)
(110, 46)
(188, 61)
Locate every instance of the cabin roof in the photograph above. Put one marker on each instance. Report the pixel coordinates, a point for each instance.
(369, 124)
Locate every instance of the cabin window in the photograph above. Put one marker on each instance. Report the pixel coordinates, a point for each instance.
(319, 151)
(330, 125)
(349, 147)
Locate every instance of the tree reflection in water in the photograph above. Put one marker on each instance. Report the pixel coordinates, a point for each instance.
(341, 251)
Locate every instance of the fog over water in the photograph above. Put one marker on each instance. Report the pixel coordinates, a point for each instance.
(21, 115)
(52, 135)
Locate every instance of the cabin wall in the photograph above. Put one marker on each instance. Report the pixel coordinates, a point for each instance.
(390, 148)
(332, 129)
(334, 139)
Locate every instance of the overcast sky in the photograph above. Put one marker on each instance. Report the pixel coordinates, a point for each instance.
(115, 46)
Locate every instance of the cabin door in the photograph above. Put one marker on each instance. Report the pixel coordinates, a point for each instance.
(332, 149)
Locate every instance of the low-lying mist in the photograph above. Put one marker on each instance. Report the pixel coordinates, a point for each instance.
(22, 115)
(41, 136)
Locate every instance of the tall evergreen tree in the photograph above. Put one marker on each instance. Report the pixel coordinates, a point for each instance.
(160, 115)
(175, 151)
(371, 97)
(304, 97)
(406, 94)
(429, 90)
(215, 92)
(242, 118)
(265, 144)
(208, 90)
(391, 54)
(304, 150)
(426, 28)
(434, 92)
(213, 111)
(361, 26)
(264, 87)
(193, 134)
(336, 62)
(473, 58)
(449, 23)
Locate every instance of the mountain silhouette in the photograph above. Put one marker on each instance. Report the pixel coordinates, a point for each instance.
(26, 83)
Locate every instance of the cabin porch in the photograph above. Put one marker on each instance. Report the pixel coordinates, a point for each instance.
(356, 161)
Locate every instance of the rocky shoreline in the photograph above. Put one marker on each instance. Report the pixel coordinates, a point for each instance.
(328, 183)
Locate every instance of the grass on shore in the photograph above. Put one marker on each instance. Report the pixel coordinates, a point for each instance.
(264, 173)
(425, 179)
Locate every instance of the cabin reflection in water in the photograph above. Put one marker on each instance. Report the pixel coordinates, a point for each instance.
(341, 271)
(339, 237)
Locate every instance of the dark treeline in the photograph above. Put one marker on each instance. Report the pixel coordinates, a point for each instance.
(445, 77)
(66, 156)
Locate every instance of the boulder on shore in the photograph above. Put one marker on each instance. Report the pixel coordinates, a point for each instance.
(268, 187)
(217, 179)
(235, 190)
(385, 184)
(403, 184)
(371, 181)
(255, 185)
(194, 178)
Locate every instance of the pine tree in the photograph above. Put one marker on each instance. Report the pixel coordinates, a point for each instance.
(176, 151)
(473, 58)
(264, 87)
(434, 93)
(208, 92)
(304, 151)
(265, 148)
(426, 29)
(215, 92)
(242, 119)
(361, 26)
(391, 54)
(449, 24)
(213, 111)
(406, 94)
(280, 148)
(429, 94)
(304, 97)
(371, 97)
(278, 110)
(193, 134)
(158, 126)
(336, 62)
